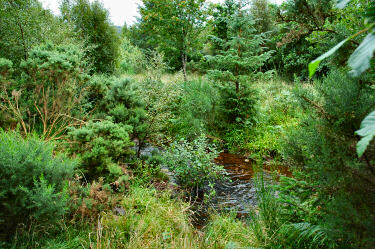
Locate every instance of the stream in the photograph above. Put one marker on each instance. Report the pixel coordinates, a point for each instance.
(237, 194)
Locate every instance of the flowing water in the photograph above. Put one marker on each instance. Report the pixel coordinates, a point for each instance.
(239, 193)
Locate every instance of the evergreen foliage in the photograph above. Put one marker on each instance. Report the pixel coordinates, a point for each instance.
(100, 145)
(45, 98)
(118, 100)
(323, 148)
(122, 117)
(33, 182)
(237, 63)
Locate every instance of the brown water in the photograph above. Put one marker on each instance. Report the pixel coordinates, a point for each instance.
(239, 194)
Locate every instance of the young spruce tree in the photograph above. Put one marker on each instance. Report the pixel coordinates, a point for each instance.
(238, 62)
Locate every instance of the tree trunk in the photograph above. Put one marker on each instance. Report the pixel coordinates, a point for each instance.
(184, 62)
(239, 49)
(23, 41)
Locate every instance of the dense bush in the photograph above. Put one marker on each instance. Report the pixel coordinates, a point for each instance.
(100, 145)
(193, 162)
(32, 182)
(118, 100)
(324, 148)
(197, 109)
(45, 98)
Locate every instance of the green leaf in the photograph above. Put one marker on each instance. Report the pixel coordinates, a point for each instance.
(342, 3)
(367, 132)
(359, 61)
(315, 63)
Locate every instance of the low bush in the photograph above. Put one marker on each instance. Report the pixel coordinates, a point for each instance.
(193, 163)
(32, 182)
(100, 145)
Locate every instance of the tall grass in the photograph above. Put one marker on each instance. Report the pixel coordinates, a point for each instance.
(273, 228)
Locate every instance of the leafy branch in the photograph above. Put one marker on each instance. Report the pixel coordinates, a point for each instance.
(359, 61)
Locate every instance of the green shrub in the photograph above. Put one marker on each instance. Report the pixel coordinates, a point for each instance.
(5, 67)
(193, 162)
(238, 107)
(323, 146)
(32, 182)
(46, 98)
(100, 144)
(197, 109)
(118, 100)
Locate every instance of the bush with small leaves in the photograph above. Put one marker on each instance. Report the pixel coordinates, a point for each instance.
(46, 98)
(193, 162)
(32, 182)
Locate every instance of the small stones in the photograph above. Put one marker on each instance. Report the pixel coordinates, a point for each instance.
(119, 211)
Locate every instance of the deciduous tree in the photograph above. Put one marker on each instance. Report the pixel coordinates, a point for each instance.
(175, 25)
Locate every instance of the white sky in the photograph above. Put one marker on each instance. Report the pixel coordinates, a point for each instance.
(120, 11)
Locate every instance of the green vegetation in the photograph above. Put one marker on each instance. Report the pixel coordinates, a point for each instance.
(191, 162)
(33, 183)
(108, 137)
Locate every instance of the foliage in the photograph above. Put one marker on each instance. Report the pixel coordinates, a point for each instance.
(117, 100)
(132, 58)
(261, 12)
(100, 145)
(25, 24)
(367, 132)
(32, 182)
(91, 21)
(238, 62)
(160, 97)
(45, 98)
(192, 162)
(220, 14)
(197, 109)
(175, 26)
(359, 61)
(323, 147)
(308, 28)
(5, 67)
